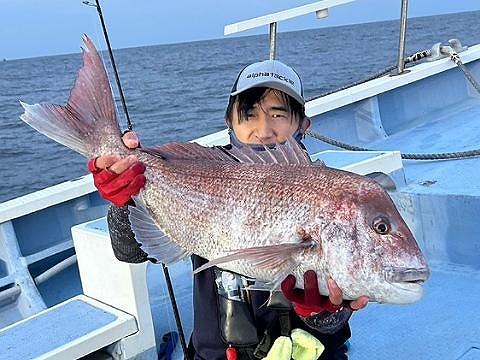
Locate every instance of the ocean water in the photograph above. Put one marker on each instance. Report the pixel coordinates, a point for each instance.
(179, 92)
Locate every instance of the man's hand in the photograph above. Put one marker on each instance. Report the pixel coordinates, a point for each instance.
(336, 297)
(118, 178)
(326, 314)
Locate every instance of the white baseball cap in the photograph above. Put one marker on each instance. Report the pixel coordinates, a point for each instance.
(272, 74)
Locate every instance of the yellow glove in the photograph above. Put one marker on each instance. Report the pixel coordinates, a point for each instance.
(281, 349)
(305, 345)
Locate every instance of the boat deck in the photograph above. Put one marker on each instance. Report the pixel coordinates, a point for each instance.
(444, 324)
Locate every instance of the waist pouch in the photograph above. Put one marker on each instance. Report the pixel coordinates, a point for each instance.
(236, 323)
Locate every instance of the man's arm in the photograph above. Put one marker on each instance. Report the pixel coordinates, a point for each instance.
(117, 179)
(125, 246)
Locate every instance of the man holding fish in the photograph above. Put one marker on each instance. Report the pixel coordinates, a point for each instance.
(258, 208)
(266, 107)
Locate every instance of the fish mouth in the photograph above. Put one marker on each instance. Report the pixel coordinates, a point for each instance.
(406, 276)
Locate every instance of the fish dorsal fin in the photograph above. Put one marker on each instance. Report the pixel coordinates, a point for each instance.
(153, 241)
(189, 151)
(288, 152)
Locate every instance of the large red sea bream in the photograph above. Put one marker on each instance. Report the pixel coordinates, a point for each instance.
(263, 215)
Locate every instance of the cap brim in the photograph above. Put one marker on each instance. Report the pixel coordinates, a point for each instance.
(274, 85)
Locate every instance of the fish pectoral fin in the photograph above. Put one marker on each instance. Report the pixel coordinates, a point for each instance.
(266, 257)
(152, 240)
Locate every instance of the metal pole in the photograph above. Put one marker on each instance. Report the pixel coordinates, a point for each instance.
(10, 293)
(112, 59)
(273, 35)
(401, 45)
(54, 270)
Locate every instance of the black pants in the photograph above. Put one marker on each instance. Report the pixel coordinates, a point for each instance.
(337, 354)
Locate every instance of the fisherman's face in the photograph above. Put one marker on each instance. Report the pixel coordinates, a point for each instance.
(269, 122)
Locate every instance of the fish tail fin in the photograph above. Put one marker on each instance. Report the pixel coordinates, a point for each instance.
(88, 119)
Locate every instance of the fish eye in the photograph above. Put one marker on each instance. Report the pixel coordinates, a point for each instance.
(381, 225)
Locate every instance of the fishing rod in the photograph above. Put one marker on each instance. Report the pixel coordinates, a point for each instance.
(166, 273)
(112, 59)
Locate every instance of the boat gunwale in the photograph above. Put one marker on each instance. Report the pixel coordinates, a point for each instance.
(42, 199)
(386, 83)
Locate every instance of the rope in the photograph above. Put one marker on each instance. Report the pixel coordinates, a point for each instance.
(456, 59)
(410, 156)
(419, 55)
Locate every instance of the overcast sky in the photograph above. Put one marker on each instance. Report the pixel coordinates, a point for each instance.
(36, 28)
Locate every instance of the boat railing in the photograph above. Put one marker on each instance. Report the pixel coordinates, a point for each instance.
(36, 244)
(320, 8)
(45, 198)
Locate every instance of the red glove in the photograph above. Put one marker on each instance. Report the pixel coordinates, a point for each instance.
(307, 302)
(118, 188)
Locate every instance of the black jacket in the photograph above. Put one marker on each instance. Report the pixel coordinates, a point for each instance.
(213, 331)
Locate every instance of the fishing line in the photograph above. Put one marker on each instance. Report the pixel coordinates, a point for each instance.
(130, 127)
